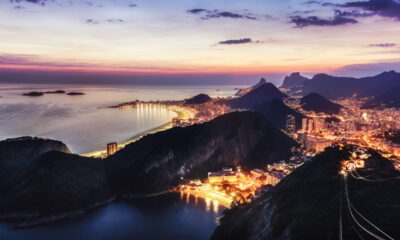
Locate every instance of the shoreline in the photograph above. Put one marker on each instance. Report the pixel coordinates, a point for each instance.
(180, 111)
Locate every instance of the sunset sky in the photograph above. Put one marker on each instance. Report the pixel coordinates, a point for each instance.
(201, 37)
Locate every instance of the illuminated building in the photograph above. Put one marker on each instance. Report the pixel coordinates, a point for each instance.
(291, 124)
(304, 125)
(112, 148)
(226, 175)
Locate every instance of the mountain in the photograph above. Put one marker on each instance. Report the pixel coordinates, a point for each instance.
(277, 113)
(159, 161)
(311, 202)
(244, 91)
(317, 103)
(294, 80)
(265, 93)
(390, 98)
(56, 185)
(334, 87)
(17, 154)
(198, 99)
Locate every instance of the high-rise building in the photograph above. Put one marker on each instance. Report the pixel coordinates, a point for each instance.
(291, 124)
(310, 125)
(112, 148)
(304, 125)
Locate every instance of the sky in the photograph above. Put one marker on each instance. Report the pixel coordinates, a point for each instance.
(197, 41)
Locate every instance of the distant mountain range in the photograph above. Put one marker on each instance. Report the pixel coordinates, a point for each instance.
(317, 103)
(391, 98)
(335, 87)
(311, 203)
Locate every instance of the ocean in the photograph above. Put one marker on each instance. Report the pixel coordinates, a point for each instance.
(85, 122)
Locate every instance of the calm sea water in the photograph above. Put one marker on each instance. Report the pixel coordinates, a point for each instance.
(85, 123)
(167, 217)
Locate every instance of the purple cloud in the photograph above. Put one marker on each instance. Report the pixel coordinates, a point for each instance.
(337, 20)
(236, 41)
(384, 8)
(383, 45)
(208, 14)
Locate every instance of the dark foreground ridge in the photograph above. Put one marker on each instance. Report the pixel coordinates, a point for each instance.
(306, 204)
(43, 182)
(159, 161)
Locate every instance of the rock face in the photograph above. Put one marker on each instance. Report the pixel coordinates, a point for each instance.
(198, 99)
(317, 103)
(294, 80)
(265, 93)
(390, 98)
(44, 183)
(157, 162)
(244, 91)
(334, 87)
(306, 204)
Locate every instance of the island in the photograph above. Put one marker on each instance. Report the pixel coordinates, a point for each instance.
(75, 93)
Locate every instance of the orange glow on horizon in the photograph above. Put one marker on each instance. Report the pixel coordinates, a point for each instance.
(233, 70)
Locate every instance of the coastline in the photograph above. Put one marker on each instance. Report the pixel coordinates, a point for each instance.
(183, 114)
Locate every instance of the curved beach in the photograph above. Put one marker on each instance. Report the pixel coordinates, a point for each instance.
(183, 114)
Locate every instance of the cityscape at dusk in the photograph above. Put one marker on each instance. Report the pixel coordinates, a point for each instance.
(199, 120)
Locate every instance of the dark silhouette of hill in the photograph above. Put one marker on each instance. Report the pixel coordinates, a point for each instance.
(317, 103)
(57, 185)
(294, 80)
(265, 93)
(42, 182)
(334, 87)
(17, 154)
(277, 113)
(157, 162)
(244, 91)
(390, 98)
(309, 202)
(198, 99)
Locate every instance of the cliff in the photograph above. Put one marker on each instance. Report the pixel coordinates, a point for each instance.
(307, 203)
(293, 81)
(159, 161)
